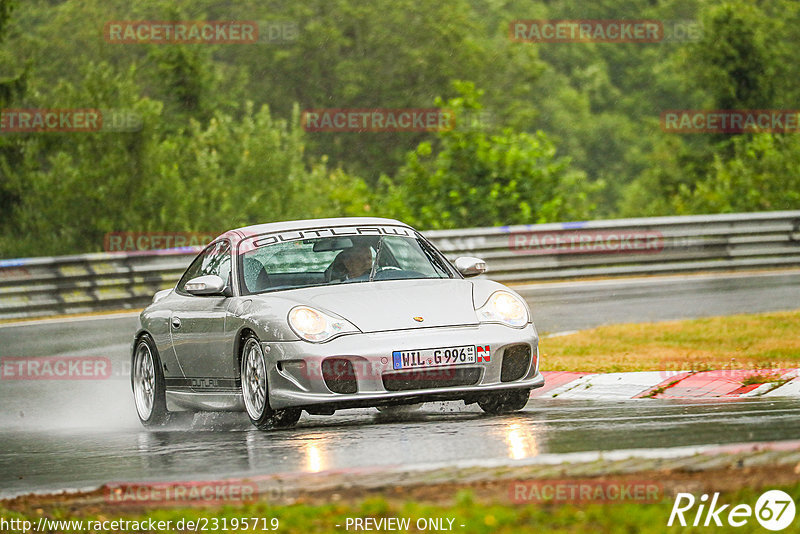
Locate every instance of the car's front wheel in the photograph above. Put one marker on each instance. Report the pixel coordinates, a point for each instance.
(505, 402)
(256, 391)
(149, 390)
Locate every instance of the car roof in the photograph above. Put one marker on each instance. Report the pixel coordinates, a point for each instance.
(282, 226)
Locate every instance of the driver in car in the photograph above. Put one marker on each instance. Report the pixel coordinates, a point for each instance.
(357, 261)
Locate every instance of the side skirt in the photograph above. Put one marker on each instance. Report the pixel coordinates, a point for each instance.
(217, 401)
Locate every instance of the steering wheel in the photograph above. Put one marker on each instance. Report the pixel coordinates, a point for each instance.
(385, 268)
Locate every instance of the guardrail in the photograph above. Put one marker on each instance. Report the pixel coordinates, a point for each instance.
(34, 287)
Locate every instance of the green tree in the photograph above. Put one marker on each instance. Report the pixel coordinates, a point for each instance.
(73, 187)
(12, 85)
(763, 175)
(736, 64)
(76, 187)
(232, 172)
(735, 61)
(477, 178)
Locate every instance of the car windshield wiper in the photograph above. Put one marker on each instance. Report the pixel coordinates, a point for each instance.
(377, 255)
(436, 262)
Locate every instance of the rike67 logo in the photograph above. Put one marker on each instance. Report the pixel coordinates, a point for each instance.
(774, 510)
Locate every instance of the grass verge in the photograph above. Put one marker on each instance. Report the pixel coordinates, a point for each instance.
(475, 516)
(754, 341)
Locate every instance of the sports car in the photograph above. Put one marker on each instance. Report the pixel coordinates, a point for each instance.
(328, 314)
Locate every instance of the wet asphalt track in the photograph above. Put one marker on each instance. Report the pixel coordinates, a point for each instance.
(68, 435)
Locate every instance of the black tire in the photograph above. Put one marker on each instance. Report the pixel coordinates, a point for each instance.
(505, 402)
(255, 390)
(147, 381)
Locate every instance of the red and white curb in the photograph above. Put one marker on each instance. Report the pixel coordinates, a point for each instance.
(733, 383)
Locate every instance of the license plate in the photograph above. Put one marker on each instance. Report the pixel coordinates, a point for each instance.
(409, 359)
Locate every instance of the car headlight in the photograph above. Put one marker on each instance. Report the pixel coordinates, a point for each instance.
(503, 307)
(316, 326)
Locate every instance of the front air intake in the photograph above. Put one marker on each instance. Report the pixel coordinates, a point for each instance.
(516, 362)
(431, 378)
(339, 375)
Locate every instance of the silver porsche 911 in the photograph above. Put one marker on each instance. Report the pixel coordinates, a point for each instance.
(326, 314)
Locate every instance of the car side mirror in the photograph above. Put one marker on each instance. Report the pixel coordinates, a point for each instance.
(469, 266)
(209, 284)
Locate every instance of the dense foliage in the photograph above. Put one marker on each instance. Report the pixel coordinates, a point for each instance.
(545, 132)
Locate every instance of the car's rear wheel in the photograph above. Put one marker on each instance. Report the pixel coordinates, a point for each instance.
(505, 402)
(149, 388)
(255, 390)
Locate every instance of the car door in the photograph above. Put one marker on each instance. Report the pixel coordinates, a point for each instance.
(197, 323)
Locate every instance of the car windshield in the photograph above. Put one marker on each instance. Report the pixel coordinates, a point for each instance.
(339, 260)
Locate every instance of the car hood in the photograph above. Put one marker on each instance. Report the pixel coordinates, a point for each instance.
(394, 304)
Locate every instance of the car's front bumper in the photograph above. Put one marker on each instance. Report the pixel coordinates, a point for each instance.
(296, 373)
